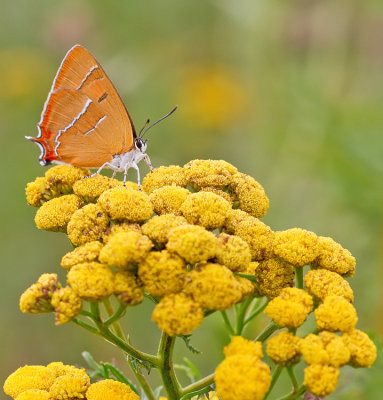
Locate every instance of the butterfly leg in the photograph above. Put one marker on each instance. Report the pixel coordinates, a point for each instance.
(135, 166)
(107, 164)
(148, 162)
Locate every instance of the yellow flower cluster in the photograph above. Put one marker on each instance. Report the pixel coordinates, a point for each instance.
(57, 381)
(284, 348)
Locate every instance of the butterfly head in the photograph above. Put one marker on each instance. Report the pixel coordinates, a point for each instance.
(141, 144)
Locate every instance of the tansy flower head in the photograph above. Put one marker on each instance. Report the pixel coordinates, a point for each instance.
(206, 209)
(320, 379)
(34, 394)
(290, 308)
(168, 199)
(38, 192)
(124, 204)
(362, 348)
(322, 283)
(109, 389)
(62, 177)
(240, 345)
(55, 214)
(177, 314)
(60, 369)
(125, 248)
(283, 348)
(257, 235)
(336, 314)
(28, 377)
(91, 188)
(297, 246)
(219, 192)
(164, 176)
(216, 173)
(91, 281)
(67, 305)
(158, 227)
(86, 253)
(87, 224)
(233, 252)
(334, 257)
(121, 227)
(128, 288)
(234, 217)
(162, 273)
(70, 386)
(213, 286)
(250, 194)
(192, 243)
(273, 275)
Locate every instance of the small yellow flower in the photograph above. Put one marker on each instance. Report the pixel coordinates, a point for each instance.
(124, 204)
(325, 348)
(219, 192)
(322, 283)
(362, 348)
(108, 389)
(233, 252)
(273, 275)
(159, 227)
(290, 308)
(258, 236)
(86, 253)
(240, 345)
(216, 173)
(177, 314)
(38, 192)
(67, 305)
(336, 314)
(63, 177)
(283, 348)
(193, 243)
(168, 199)
(34, 394)
(91, 281)
(206, 209)
(70, 387)
(320, 379)
(164, 176)
(297, 246)
(87, 224)
(213, 286)
(234, 217)
(125, 248)
(162, 273)
(334, 257)
(250, 194)
(61, 369)
(91, 188)
(28, 377)
(121, 227)
(128, 288)
(55, 214)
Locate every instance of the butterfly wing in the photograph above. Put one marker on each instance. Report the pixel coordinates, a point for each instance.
(84, 121)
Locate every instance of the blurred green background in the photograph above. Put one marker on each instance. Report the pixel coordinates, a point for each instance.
(289, 92)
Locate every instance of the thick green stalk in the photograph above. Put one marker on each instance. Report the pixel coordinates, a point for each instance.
(240, 315)
(274, 378)
(197, 386)
(299, 277)
(267, 332)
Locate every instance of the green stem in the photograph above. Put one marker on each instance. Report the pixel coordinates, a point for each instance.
(240, 315)
(197, 386)
(256, 312)
(114, 316)
(86, 326)
(268, 331)
(299, 277)
(142, 381)
(293, 378)
(274, 378)
(227, 322)
(294, 395)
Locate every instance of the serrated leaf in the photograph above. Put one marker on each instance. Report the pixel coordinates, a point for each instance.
(186, 339)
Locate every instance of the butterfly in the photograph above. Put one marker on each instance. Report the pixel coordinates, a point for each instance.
(84, 122)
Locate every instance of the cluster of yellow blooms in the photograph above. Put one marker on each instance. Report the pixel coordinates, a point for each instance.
(57, 381)
(192, 239)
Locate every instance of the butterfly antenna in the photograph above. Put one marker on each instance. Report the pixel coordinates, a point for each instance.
(146, 124)
(151, 126)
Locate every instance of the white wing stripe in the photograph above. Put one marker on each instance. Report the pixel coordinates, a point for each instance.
(91, 130)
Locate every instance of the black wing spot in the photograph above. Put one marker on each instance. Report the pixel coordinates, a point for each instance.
(103, 97)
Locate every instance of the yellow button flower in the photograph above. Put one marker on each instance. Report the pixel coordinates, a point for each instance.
(124, 204)
(86, 253)
(63, 177)
(168, 199)
(273, 275)
(108, 389)
(70, 387)
(321, 380)
(250, 194)
(87, 224)
(91, 281)
(234, 217)
(55, 214)
(125, 248)
(128, 288)
(159, 227)
(38, 192)
(193, 243)
(233, 252)
(121, 227)
(297, 246)
(290, 308)
(206, 209)
(211, 189)
(60, 369)
(283, 348)
(177, 314)
(336, 314)
(322, 283)
(164, 176)
(162, 273)
(240, 345)
(67, 305)
(362, 348)
(213, 286)
(334, 257)
(34, 394)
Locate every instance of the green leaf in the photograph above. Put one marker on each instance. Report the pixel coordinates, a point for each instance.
(186, 339)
